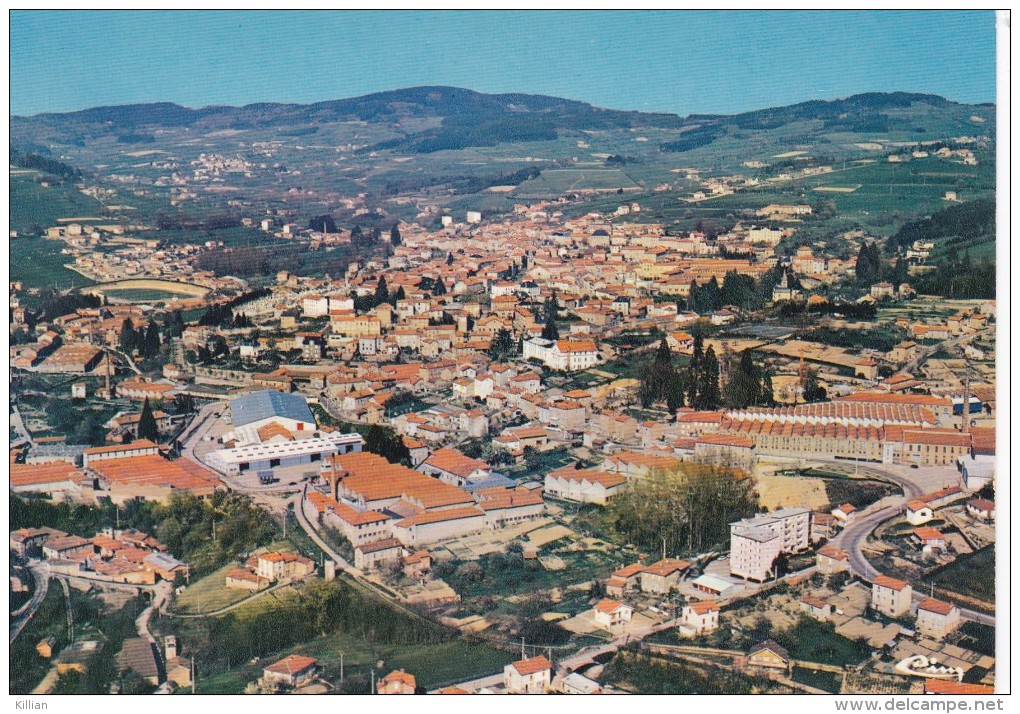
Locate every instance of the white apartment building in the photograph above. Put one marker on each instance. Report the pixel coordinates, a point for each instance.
(756, 542)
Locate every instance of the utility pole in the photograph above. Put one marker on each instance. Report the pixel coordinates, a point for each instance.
(341, 669)
(522, 649)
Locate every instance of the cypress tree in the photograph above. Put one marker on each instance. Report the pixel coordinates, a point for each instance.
(147, 423)
(395, 235)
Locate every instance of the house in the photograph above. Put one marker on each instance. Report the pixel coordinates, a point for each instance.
(890, 596)
(566, 355)
(768, 655)
(831, 560)
(723, 317)
(701, 616)
(277, 566)
(240, 579)
(610, 613)
(417, 564)
(663, 576)
(936, 619)
(367, 556)
(452, 467)
(528, 676)
(292, 671)
(845, 514)
(880, 291)
(823, 527)
(815, 607)
(982, 509)
(918, 512)
(137, 655)
(396, 682)
(624, 579)
(931, 540)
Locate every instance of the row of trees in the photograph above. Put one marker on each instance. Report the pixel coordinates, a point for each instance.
(144, 341)
(697, 385)
(739, 290)
(687, 509)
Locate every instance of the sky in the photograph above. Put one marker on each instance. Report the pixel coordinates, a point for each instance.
(671, 61)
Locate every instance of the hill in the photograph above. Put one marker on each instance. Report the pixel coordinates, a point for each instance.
(440, 150)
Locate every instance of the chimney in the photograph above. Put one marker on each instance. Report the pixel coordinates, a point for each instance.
(170, 643)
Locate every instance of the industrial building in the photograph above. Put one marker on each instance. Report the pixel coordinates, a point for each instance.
(251, 412)
(270, 455)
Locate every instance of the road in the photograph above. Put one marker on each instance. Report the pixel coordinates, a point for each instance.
(18, 424)
(944, 345)
(41, 574)
(160, 594)
(914, 482)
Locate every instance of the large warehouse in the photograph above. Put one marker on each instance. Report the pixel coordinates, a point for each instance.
(268, 456)
(251, 412)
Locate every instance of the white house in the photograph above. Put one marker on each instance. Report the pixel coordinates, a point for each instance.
(610, 613)
(701, 616)
(936, 618)
(528, 676)
(891, 596)
(918, 512)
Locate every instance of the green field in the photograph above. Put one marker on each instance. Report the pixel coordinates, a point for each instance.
(827, 681)
(209, 594)
(35, 207)
(37, 262)
(555, 182)
(140, 295)
(971, 575)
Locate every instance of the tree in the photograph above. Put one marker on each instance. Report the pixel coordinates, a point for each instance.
(439, 288)
(147, 428)
(357, 236)
(748, 385)
(128, 338)
(395, 235)
(503, 345)
(869, 264)
(150, 343)
(708, 394)
(323, 224)
(382, 293)
(813, 391)
(387, 443)
(551, 311)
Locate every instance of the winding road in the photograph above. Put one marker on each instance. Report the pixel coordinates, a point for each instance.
(914, 482)
(41, 574)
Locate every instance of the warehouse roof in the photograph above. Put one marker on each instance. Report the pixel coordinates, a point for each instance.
(269, 403)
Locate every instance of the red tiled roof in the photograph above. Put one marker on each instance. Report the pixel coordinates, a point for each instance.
(884, 581)
(291, 665)
(525, 667)
(937, 606)
(941, 686)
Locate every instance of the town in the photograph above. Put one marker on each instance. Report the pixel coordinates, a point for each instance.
(489, 389)
(435, 391)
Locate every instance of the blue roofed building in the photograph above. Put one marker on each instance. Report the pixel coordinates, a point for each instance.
(250, 413)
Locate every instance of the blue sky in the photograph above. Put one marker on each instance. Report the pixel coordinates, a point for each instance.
(682, 62)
